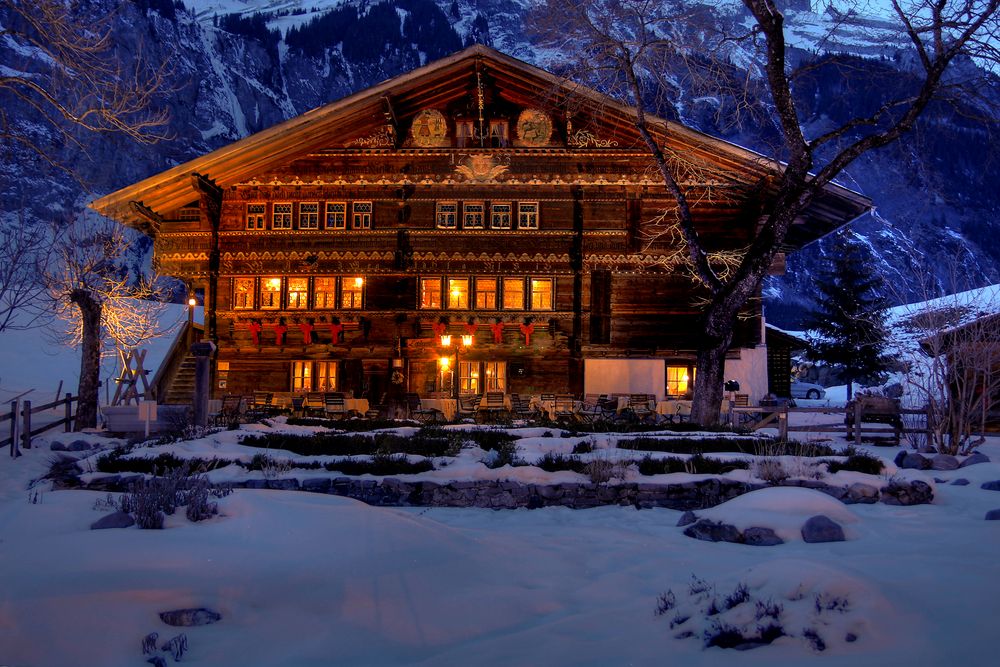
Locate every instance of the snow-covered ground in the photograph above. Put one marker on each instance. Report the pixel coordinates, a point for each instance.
(309, 579)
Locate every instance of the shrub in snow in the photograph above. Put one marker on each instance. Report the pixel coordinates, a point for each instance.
(745, 618)
(149, 500)
(503, 454)
(583, 447)
(770, 470)
(149, 643)
(176, 647)
(696, 465)
(857, 461)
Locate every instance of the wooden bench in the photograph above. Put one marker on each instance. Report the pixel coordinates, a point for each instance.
(873, 410)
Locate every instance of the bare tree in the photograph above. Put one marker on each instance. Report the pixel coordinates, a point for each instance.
(952, 346)
(61, 74)
(634, 47)
(101, 301)
(23, 252)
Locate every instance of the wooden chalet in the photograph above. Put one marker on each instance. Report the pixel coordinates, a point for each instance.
(476, 196)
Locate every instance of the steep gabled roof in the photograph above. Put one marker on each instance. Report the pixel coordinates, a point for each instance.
(435, 85)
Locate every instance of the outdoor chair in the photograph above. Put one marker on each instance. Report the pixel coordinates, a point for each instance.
(521, 406)
(231, 411)
(333, 405)
(493, 405)
(565, 409)
(314, 403)
(468, 404)
(640, 406)
(417, 411)
(260, 406)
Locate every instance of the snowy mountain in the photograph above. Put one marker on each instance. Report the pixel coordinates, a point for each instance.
(239, 66)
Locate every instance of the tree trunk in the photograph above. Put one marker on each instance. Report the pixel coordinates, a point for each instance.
(707, 399)
(90, 358)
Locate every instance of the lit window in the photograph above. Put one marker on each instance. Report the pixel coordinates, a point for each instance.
(464, 133)
(468, 377)
(309, 215)
(430, 293)
(243, 293)
(325, 292)
(486, 293)
(472, 216)
(541, 294)
(361, 215)
(513, 294)
(680, 380)
(336, 215)
(297, 293)
(458, 293)
(500, 216)
(270, 293)
(447, 215)
(527, 215)
(325, 376)
(351, 290)
(495, 375)
(498, 133)
(302, 377)
(282, 218)
(255, 216)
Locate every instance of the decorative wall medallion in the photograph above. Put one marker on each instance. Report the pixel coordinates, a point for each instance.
(481, 168)
(429, 129)
(534, 128)
(584, 138)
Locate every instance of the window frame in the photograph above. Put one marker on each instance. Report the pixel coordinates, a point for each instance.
(494, 213)
(440, 216)
(301, 298)
(687, 369)
(348, 286)
(261, 292)
(504, 283)
(286, 221)
(551, 292)
(309, 220)
(420, 297)
(328, 303)
(251, 293)
(494, 292)
(311, 375)
(256, 220)
(523, 209)
(457, 304)
(466, 213)
(328, 212)
(362, 219)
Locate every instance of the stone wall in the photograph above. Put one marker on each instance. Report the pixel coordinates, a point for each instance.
(505, 494)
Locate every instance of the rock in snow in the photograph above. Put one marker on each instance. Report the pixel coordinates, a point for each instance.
(113, 520)
(973, 459)
(761, 537)
(822, 529)
(710, 531)
(687, 518)
(190, 617)
(944, 462)
(991, 486)
(993, 515)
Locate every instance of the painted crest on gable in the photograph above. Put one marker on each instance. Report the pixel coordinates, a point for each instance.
(429, 129)
(534, 128)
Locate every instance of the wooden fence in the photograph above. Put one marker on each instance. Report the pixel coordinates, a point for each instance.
(20, 429)
(757, 417)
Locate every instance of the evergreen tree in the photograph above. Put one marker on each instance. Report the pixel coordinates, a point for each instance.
(848, 328)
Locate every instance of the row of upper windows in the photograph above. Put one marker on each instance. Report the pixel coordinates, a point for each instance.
(435, 293)
(448, 215)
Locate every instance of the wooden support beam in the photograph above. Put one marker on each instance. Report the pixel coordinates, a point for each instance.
(390, 120)
(150, 218)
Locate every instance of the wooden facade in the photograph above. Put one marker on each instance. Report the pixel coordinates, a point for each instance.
(474, 196)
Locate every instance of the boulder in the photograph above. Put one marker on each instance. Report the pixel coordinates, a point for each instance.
(973, 459)
(961, 481)
(914, 492)
(79, 446)
(57, 446)
(687, 518)
(822, 528)
(912, 461)
(113, 520)
(710, 531)
(993, 515)
(991, 486)
(190, 617)
(862, 493)
(944, 462)
(761, 537)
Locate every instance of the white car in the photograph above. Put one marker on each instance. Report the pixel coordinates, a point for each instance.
(807, 390)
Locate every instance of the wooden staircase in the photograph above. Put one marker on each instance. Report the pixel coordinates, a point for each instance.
(181, 388)
(174, 380)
